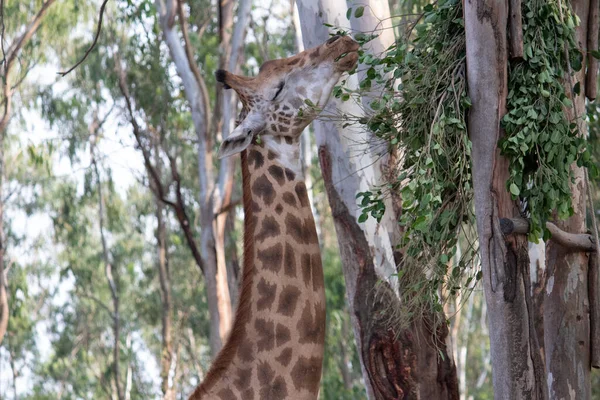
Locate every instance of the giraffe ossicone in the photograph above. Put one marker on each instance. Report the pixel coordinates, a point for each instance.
(276, 345)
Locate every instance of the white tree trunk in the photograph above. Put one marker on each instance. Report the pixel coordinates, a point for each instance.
(217, 290)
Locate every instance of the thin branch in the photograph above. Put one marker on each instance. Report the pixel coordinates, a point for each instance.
(179, 204)
(89, 50)
(11, 55)
(190, 56)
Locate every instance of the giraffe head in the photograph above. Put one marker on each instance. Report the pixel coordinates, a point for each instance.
(278, 102)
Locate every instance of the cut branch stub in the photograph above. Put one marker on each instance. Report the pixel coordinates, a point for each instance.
(571, 241)
(519, 226)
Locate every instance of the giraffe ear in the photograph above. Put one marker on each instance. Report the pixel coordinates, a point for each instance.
(233, 81)
(221, 76)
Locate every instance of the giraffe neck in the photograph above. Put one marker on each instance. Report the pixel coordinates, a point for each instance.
(275, 350)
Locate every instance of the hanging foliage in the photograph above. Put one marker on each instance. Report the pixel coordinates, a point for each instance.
(541, 142)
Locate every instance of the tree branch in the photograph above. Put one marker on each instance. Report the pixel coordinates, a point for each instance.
(89, 50)
(157, 186)
(10, 57)
(190, 57)
(572, 241)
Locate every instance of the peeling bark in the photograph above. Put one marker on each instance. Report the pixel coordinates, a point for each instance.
(566, 302)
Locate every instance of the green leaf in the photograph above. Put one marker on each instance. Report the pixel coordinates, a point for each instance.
(349, 13)
(362, 218)
(359, 12)
(514, 189)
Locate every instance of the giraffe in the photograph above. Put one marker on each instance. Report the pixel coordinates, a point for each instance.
(276, 345)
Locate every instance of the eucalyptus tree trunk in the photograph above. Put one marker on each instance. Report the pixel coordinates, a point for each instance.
(566, 298)
(516, 362)
(232, 42)
(542, 308)
(217, 289)
(395, 365)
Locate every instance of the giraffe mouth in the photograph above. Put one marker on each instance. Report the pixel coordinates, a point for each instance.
(347, 61)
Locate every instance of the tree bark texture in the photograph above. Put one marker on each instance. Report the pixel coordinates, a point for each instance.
(566, 302)
(217, 289)
(516, 361)
(395, 365)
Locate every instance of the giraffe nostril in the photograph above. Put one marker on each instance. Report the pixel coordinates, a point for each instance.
(333, 39)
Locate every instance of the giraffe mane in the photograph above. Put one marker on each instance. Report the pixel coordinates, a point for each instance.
(236, 335)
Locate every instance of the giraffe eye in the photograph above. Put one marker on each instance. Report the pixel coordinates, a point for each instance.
(279, 89)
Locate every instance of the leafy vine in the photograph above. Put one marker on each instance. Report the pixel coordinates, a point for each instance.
(541, 142)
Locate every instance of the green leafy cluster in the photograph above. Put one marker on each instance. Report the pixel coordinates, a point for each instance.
(424, 119)
(541, 142)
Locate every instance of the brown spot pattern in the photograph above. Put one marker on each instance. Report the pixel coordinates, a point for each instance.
(279, 209)
(302, 194)
(271, 258)
(265, 373)
(277, 173)
(256, 158)
(276, 390)
(289, 261)
(266, 294)
(306, 265)
(263, 188)
(282, 335)
(271, 387)
(311, 327)
(289, 198)
(243, 379)
(226, 394)
(291, 175)
(285, 357)
(310, 232)
(307, 373)
(287, 300)
(294, 228)
(245, 351)
(271, 155)
(269, 228)
(317, 274)
(266, 333)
